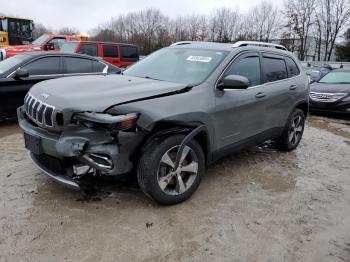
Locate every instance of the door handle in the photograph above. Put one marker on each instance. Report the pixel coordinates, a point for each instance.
(292, 87)
(260, 95)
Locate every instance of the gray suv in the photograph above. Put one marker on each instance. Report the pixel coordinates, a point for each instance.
(168, 116)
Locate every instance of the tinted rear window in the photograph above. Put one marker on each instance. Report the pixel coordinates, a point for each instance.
(293, 69)
(98, 66)
(89, 50)
(274, 69)
(74, 65)
(110, 51)
(129, 53)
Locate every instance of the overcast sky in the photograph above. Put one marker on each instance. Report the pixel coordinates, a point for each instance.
(87, 14)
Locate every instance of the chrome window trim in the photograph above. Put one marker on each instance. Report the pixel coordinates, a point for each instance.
(257, 86)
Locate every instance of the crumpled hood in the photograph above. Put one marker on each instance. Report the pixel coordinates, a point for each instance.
(330, 88)
(97, 93)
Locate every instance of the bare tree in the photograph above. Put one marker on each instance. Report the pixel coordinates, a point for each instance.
(68, 31)
(300, 14)
(223, 25)
(40, 29)
(263, 21)
(332, 16)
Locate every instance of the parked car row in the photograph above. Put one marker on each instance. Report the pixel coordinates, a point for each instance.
(331, 93)
(118, 54)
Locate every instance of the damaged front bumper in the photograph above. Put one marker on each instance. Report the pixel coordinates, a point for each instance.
(58, 154)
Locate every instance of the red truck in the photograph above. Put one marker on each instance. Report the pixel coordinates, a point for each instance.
(46, 42)
(118, 54)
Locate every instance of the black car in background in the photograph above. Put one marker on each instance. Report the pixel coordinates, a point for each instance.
(19, 73)
(332, 92)
(316, 73)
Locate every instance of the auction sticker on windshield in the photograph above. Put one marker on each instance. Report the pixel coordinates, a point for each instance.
(203, 59)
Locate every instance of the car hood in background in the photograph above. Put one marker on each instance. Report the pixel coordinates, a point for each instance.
(330, 88)
(22, 48)
(97, 93)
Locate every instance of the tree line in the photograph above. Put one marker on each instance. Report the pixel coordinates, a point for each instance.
(311, 28)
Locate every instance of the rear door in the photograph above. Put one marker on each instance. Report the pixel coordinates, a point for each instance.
(128, 55)
(13, 91)
(240, 113)
(111, 54)
(278, 88)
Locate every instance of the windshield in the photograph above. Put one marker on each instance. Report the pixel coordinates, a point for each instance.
(186, 66)
(8, 63)
(336, 78)
(40, 40)
(68, 47)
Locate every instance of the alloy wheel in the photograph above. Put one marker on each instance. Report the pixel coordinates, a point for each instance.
(295, 131)
(176, 182)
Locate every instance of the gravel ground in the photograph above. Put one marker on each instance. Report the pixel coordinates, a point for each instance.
(258, 205)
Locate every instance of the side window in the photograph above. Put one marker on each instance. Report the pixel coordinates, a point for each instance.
(89, 50)
(44, 66)
(293, 69)
(98, 66)
(274, 69)
(129, 53)
(75, 65)
(110, 51)
(248, 67)
(57, 42)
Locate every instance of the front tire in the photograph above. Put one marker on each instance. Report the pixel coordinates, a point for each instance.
(157, 177)
(293, 131)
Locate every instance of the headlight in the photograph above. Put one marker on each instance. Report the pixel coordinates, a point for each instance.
(116, 122)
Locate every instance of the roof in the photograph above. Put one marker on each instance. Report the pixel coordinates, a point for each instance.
(41, 53)
(99, 42)
(18, 18)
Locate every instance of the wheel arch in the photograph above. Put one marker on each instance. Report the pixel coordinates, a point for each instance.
(162, 129)
(304, 106)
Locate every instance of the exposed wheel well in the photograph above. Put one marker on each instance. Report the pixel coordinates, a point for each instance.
(304, 107)
(163, 129)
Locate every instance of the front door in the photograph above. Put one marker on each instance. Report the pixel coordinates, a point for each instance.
(240, 113)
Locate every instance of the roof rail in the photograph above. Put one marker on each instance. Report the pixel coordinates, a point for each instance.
(256, 43)
(193, 42)
(182, 43)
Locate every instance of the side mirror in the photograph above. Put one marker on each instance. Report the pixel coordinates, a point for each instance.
(21, 73)
(49, 46)
(234, 82)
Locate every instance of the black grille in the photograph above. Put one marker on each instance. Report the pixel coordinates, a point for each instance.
(38, 111)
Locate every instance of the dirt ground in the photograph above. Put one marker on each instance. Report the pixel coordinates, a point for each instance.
(259, 205)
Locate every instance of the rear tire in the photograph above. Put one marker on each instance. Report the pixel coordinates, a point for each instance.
(293, 131)
(158, 180)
